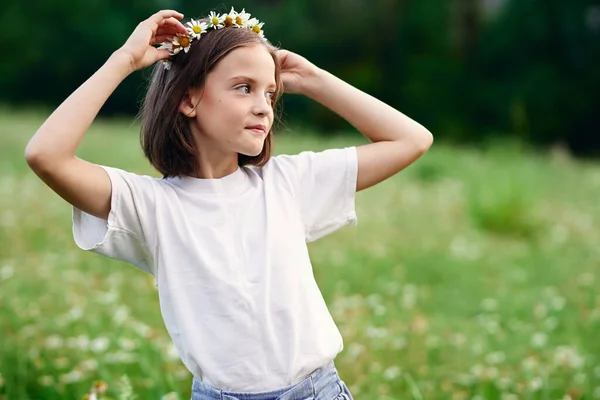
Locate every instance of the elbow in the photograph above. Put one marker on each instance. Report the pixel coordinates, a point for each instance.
(33, 157)
(425, 141)
(36, 158)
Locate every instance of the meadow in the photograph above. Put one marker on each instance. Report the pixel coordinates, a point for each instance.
(471, 275)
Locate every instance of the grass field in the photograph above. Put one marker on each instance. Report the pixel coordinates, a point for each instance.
(471, 275)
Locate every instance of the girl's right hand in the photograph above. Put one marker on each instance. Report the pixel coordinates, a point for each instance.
(159, 28)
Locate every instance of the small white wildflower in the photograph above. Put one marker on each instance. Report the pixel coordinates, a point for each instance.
(71, 377)
(127, 344)
(242, 18)
(172, 352)
(539, 339)
(568, 356)
(530, 364)
(54, 342)
(536, 384)
(196, 28)
(376, 333)
(495, 358)
(216, 20)
(88, 365)
(355, 350)
(504, 383)
(81, 342)
(256, 27)
(120, 357)
(141, 329)
(170, 396)
(181, 42)
(392, 373)
(373, 300)
(121, 314)
(74, 314)
(6, 272)
(99, 345)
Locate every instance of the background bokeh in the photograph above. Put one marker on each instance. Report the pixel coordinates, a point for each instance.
(472, 274)
(467, 69)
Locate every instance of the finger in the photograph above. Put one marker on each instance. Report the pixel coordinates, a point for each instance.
(164, 14)
(158, 39)
(163, 54)
(166, 30)
(173, 24)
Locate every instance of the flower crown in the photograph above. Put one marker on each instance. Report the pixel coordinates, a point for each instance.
(195, 29)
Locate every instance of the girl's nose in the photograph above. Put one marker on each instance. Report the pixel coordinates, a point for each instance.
(262, 105)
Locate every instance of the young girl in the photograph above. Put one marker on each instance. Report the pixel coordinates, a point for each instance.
(224, 231)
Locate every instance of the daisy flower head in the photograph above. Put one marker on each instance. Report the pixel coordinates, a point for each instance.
(241, 19)
(216, 20)
(167, 64)
(196, 28)
(229, 19)
(256, 27)
(181, 42)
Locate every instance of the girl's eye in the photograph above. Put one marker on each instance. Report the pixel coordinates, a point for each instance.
(270, 95)
(243, 88)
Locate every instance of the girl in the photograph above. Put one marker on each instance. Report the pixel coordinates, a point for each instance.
(224, 231)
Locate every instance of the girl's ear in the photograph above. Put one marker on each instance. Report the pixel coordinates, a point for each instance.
(189, 102)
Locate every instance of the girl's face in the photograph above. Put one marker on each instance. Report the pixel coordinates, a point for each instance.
(234, 112)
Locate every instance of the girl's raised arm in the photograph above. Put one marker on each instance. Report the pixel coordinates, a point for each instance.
(51, 151)
(398, 141)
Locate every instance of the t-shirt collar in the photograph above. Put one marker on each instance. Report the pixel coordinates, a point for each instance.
(235, 182)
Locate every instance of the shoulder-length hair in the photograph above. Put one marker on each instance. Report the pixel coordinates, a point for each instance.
(165, 134)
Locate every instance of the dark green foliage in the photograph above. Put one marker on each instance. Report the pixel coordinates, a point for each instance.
(466, 71)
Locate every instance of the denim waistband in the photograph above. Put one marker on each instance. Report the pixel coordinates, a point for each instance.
(316, 382)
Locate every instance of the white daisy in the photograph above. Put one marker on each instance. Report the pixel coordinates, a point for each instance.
(196, 28)
(168, 46)
(167, 64)
(256, 27)
(229, 19)
(215, 20)
(241, 19)
(181, 42)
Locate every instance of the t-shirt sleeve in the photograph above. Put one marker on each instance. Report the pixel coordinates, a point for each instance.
(123, 235)
(324, 184)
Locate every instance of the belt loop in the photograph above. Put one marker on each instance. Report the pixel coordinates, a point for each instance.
(312, 385)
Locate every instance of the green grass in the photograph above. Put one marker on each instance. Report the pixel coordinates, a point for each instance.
(471, 275)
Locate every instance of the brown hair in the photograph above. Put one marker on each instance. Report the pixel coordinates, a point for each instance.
(165, 134)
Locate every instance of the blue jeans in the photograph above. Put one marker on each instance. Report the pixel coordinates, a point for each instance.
(323, 384)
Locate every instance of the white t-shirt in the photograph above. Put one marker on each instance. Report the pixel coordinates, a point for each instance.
(235, 282)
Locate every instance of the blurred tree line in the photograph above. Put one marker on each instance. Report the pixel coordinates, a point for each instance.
(466, 69)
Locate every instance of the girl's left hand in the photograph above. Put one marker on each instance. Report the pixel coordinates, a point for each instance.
(296, 71)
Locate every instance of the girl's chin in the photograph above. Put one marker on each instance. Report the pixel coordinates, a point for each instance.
(252, 152)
